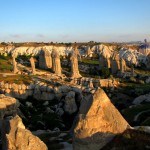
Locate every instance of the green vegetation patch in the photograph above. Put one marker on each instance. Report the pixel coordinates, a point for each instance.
(5, 64)
(146, 122)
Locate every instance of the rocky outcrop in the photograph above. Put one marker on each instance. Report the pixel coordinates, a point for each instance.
(8, 106)
(13, 133)
(21, 138)
(70, 104)
(132, 57)
(115, 64)
(15, 69)
(56, 65)
(98, 122)
(142, 98)
(122, 65)
(51, 91)
(45, 60)
(74, 64)
(32, 62)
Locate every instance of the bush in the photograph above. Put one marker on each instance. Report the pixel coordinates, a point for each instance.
(105, 72)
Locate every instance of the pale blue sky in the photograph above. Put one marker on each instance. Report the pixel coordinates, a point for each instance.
(74, 20)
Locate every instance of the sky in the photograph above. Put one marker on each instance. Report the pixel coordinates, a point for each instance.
(74, 20)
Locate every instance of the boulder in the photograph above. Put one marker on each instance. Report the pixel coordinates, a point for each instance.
(22, 139)
(8, 105)
(142, 98)
(70, 105)
(97, 123)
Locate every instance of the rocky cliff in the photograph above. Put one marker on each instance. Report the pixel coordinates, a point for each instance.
(13, 133)
(98, 122)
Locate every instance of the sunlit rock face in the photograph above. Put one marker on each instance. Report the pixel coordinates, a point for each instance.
(132, 56)
(45, 60)
(56, 65)
(21, 138)
(98, 122)
(74, 64)
(14, 135)
(25, 50)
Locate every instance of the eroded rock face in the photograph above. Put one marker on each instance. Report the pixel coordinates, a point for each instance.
(15, 69)
(70, 104)
(56, 66)
(98, 122)
(32, 65)
(13, 133)
(45, 60)
(74, 64)
(142, 98)
(21, 138)
(8, 105)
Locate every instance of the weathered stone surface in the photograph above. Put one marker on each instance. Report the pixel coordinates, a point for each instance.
(45, 60)
(70, 104)
(74, 64)
(56, 66)
(32, 62)
(19, 138)
(122, 65)
(115, 64)
(98, 122)
(47, 96)
(15, 69)
(142, 98)
(8, 105)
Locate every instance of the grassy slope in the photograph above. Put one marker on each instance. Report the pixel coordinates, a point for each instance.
(5, 64)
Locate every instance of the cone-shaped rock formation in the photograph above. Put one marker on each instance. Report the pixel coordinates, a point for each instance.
(98, 122)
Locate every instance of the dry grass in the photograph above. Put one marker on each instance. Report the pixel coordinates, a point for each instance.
(18, 79)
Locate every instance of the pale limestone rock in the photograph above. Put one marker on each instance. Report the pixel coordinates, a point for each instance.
(48, 59)
(98, 122)
(15, 69)
(89, 52)
(32, 62)
(22, 139)
(115, 64)
(7, 91)
(74, 64)
(56, 66)
(90, 83)
(6, 86)
(141, 98)
(122, 65)
(102, 62)
(45, 60)
(23, 87)
(70, 103)
(15, 86)
(8, 105)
